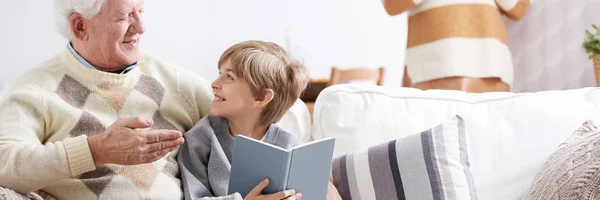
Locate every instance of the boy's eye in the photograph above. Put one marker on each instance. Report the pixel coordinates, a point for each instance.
(229, 77)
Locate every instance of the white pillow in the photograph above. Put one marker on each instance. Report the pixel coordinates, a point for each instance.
(297, 121)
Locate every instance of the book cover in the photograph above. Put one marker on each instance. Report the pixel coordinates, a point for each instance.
(304, 168)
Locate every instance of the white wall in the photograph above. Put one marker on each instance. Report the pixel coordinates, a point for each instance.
(547, 45)
(27, 36)
(193, 33)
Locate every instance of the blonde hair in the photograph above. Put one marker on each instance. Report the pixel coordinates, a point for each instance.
(265, 65)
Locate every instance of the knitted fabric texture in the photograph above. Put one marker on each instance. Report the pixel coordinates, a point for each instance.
(573, 171)
(47, 115)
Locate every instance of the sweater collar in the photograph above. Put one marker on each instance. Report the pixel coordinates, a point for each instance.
(88, 65)
(93, 76)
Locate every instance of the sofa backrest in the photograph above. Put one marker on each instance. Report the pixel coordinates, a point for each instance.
(509, 136)
(297, 121)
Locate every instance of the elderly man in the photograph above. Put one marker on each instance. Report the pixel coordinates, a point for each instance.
(100, 120)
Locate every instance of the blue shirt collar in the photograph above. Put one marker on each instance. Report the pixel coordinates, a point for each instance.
(87, 64)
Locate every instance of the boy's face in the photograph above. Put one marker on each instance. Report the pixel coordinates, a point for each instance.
(233, 96)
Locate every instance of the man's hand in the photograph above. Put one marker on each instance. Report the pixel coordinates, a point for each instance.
(129, 142)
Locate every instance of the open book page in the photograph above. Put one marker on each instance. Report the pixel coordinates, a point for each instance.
(253, 161)
(305, 168)
(310, 168)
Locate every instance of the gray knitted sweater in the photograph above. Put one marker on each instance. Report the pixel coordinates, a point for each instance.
(205, 157)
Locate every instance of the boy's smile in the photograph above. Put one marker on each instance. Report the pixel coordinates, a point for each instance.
(219, 98)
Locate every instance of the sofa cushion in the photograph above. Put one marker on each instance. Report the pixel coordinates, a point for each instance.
(431, 165)
(510, 135)
(573, 171)
(297, 121)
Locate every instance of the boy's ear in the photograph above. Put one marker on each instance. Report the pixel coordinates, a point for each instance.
(265, 98)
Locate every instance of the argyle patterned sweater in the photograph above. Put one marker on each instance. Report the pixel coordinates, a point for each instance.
(49, 112)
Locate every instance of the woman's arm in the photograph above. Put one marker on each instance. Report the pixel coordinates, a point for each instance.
(514, 9)
(396, 7)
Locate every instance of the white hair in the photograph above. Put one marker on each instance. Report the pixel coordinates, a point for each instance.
(65, 8)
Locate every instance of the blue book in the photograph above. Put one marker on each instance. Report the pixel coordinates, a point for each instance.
(305, 168)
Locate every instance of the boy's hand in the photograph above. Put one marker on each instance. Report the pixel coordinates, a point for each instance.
(255, 194)
(332, 193)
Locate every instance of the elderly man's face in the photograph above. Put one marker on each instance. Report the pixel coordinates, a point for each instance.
(114, 33)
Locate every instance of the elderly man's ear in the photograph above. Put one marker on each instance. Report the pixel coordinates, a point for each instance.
(78, 28)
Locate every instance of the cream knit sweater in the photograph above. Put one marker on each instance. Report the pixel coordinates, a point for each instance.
(49, 112)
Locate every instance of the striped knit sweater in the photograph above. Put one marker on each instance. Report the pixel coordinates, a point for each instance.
(458, 37)
(48, 113)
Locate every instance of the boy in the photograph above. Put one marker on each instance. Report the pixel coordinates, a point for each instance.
(257, 84)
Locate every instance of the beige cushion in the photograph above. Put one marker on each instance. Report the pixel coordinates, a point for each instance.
(573, 171)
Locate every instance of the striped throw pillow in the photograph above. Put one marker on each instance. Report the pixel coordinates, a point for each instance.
(431, 165)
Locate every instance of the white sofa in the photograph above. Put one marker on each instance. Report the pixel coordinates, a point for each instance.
(509, 135)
